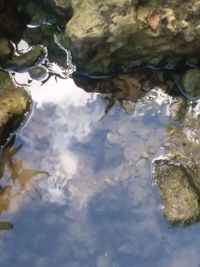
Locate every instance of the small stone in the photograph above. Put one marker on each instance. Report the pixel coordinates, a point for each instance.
(38, 73)
(114, 138)
(190, 84)
(166, 144)
(154, 19)
(145, 155)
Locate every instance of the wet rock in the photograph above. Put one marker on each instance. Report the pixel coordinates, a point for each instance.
(14, 104)
(25, 60)
(181, 200)
(106, 35)
(178, 177)
(190, 84)
(38, 73)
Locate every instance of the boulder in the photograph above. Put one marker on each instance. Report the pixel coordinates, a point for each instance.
(104, 36)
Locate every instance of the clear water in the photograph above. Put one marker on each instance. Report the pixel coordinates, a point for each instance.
(82, 194)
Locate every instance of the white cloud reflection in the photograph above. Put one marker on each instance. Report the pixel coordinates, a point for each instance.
(110, 211)
(67, 138)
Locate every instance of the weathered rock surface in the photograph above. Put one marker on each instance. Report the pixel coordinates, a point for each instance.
(178, 174)
(14, 104)
(106, 35)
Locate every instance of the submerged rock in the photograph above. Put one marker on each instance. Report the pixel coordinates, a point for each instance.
(178, 176)
(25, 60)
(38, 73)
(181, 200)
(106, 35)
(14, 104)
(190, 84)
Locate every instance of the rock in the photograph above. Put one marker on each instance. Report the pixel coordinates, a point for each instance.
(178, 176)
(190, 84)
(177, 108)
(39, 73)
(14, 104)
(25, 60)
(104, 36)
(181, 201)
(6, 226)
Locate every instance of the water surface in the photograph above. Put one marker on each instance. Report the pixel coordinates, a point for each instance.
(81, 193)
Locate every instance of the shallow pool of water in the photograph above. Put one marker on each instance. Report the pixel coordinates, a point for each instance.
(80, 190)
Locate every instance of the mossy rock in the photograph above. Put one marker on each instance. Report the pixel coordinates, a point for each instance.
(14, 105)
(26, 60)
(107, 35)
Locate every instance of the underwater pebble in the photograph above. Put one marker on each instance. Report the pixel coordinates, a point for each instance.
(190, 84)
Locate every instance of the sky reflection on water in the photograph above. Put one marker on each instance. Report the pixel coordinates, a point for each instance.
(98, 206)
